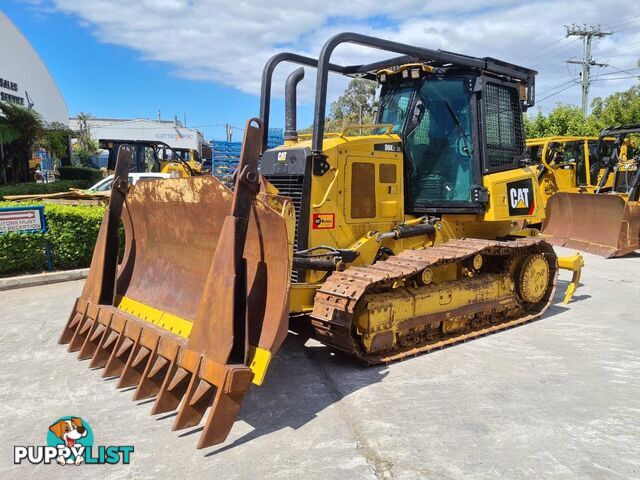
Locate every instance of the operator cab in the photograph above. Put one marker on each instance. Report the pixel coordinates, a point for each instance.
(451, 133)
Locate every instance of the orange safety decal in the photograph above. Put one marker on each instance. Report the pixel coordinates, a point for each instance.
(323, 221)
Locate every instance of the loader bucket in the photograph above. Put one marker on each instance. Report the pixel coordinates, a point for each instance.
(199, 303)
(602, 224)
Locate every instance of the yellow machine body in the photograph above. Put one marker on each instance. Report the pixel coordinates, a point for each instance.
(363, 193)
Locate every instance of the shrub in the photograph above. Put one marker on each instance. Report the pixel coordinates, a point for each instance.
(72, 231)
(21, 252)
(37, 188)
(81, 173)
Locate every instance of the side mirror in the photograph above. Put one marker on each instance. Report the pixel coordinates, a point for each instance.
(463, 146)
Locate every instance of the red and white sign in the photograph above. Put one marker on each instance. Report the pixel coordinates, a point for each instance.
(323, 221)
(15, 220)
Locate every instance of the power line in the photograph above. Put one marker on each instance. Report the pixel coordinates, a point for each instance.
(557, 86)
(560, 47)
(615, 78)
(626, 29)
(625, 71)
(613, 25)
(538, 53)
(553, 94)
(618, 49)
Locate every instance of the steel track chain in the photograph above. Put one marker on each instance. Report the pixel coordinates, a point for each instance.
(336, 301)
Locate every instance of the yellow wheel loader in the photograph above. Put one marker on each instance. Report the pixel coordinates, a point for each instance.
(590, 190)
(385, 245)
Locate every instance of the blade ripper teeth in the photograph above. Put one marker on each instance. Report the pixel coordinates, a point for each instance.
(204, 387)
(85, 328)
(127, 343)
(99, 331)
(76, 319)
(142, 354)
(180, 375)
(113, 335)
(161, 364)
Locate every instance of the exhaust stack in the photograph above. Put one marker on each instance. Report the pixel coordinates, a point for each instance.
(291, 103)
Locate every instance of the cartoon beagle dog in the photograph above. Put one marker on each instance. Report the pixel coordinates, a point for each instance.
(69, 431)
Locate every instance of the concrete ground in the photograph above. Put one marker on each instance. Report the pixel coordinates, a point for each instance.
(555, 399)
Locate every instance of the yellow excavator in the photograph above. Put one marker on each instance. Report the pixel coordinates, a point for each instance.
(589, 186)
(385, 245)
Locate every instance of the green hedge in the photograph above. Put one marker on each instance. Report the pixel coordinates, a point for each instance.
(22, 253)
(93, 175)
(72, 233)
(37, 188)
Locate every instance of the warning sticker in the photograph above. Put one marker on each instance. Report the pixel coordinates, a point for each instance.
(324, 221)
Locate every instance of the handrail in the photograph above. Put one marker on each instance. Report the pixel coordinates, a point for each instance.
(329, 188)
(388, 126)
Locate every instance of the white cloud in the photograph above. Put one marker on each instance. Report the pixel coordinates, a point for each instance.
(228, 42)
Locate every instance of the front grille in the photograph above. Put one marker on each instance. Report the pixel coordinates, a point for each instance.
(291, 186)
(504, 131)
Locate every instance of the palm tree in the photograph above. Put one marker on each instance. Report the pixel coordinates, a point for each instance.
(19, 131)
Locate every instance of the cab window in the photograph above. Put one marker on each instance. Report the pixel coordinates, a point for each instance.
(148, 160)
(574, 153)
(394, 107)
(439, 144)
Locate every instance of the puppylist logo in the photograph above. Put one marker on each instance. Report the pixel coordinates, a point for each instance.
(70, 442)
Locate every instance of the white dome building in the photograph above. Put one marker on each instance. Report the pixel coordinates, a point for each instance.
(25, 79)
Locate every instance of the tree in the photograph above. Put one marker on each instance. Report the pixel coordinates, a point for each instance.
(20, 129)
(355, 106)
(85, 147)
(562, 120)
(617, 109)
(55, 139)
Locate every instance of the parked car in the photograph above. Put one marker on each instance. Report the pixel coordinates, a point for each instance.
(104, 185)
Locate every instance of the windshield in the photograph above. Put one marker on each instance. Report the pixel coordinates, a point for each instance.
(439, 144)
(598, 151)
(394, 106)
(103, 185)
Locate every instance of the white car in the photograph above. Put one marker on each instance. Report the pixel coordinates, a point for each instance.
(104, 185)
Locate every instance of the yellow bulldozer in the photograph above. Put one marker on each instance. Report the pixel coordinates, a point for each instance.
(154, 156)
(385, 245)
(589, 186)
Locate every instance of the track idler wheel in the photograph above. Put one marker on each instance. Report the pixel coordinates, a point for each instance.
(532, 277)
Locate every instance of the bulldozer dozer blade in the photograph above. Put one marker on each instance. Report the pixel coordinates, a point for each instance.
(603, 224)
(199, 303)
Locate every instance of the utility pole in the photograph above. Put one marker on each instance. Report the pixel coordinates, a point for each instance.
(229, 132)
(587, 33)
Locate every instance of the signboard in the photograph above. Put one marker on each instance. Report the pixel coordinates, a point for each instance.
(22, 219)
(10, 97)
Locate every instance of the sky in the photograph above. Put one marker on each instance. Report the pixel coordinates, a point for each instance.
(203, 59)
